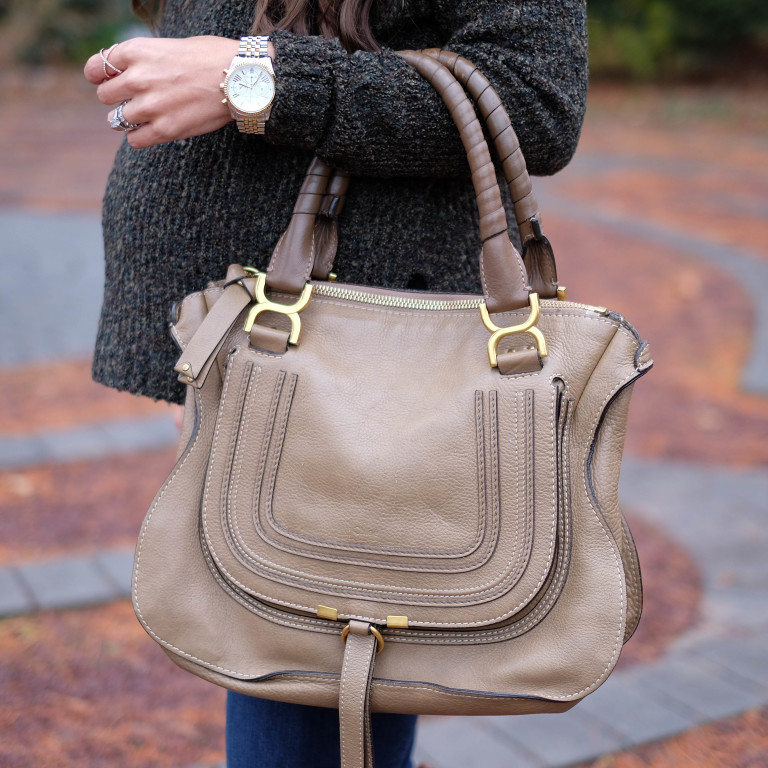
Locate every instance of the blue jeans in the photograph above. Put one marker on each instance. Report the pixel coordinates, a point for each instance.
(272, 734)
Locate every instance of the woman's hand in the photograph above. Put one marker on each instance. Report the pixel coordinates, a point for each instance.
(171, 86)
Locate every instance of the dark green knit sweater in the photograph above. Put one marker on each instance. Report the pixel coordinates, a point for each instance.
(176, 215)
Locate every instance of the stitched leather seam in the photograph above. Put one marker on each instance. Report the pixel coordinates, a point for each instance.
(312, 583)
(311, 260)
(176, 335)
(232, 521)
(275, 615)
(540, 611)
(627, 549)
(268, 614)
(273, 260)
(140, 545)
(535, 616)
(622, 610)
(530, 488)
(458, 695)
(441, 690)
(392, 551)
(343, 683)
(242, 545)
(493, 445)
(404, 686)
(251, 552)
(631, 575)
(313, 587)
(236, 461)
(482, 491)
(233, 446)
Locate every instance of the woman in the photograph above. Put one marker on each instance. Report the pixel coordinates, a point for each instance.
(191, 191)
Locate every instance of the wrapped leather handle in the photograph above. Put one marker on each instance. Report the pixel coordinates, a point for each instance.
(538, 256)
(503, 275)
(294, 254)
(326, 226)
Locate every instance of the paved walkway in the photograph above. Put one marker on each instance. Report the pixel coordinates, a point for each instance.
(684, 473)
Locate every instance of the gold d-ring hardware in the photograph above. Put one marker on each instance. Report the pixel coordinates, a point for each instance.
(263, 304)
(375, 632)
(529, 326)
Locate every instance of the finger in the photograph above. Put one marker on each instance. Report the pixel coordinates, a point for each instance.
(97, 71)
(144, 137)
(118, 58)
(122, 55)
(131, 113)
(116, 89)
(94, 69)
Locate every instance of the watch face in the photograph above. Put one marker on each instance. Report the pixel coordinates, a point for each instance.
(250, 88)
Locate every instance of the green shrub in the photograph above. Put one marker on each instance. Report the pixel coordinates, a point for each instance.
(647, 39)
(56, 31)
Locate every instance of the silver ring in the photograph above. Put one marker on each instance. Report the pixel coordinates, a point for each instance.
(118, 120)
(106, 63)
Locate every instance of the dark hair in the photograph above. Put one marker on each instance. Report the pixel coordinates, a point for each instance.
(346, 19)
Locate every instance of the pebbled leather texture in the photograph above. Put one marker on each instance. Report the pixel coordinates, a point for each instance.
(382, 468)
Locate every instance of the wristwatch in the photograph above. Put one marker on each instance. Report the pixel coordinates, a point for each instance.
(249, 85)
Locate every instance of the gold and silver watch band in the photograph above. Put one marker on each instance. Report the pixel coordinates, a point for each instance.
(253, 47)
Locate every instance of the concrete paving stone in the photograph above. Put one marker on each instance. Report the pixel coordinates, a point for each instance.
(467, 742)
(74, 444)
(746, 657)
(560, 739)
(52, 284)
(743, 608)
(140, 434)
(634, 711)
(700, 686)
(67, 582)
(92, 441)
(117, 564)
(14, 597)
(695, 504)
(22, 451)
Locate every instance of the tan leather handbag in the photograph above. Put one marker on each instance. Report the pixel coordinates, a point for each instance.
(424, 481)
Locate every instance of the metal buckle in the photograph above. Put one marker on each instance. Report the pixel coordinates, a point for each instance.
(529, 326)
(375, 632)
(263, 304)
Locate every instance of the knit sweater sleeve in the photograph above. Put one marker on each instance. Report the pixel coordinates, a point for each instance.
(371, 114)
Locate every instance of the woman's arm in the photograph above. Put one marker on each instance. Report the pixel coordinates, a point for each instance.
(370, 113)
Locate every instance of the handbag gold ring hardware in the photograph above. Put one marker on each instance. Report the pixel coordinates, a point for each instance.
(375, 632)
(263, 304)
(529, 326)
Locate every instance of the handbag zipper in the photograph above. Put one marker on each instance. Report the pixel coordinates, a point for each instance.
(400, 302)
(412, 302)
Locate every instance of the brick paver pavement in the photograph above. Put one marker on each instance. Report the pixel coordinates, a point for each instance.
(662, 215)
